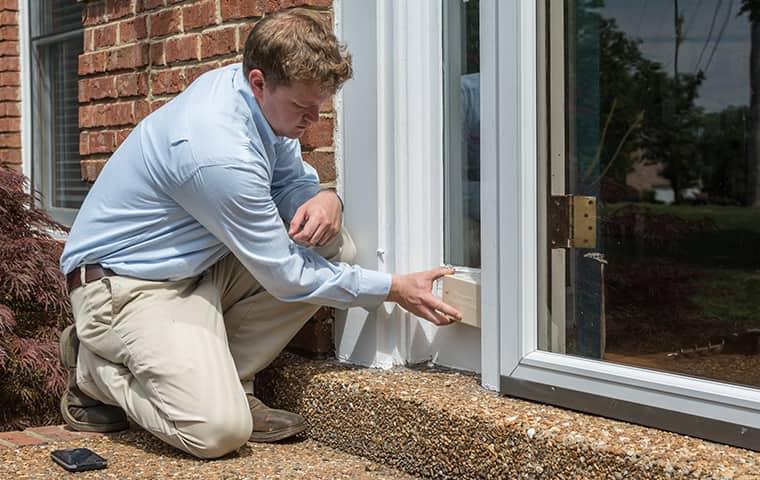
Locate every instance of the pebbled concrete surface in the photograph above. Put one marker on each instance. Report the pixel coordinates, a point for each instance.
(426, 422)
(135, 454)
(442, 424)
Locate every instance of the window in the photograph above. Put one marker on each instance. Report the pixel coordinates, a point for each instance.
(391, 120)
(461, 60)
(659, 129)
(56, 40)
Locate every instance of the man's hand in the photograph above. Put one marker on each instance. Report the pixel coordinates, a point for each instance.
(317, 222)
(414, 293)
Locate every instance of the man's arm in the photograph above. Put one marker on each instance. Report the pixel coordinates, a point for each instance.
(317, 222)
(294, 181)
(234, 203)
(314, 216)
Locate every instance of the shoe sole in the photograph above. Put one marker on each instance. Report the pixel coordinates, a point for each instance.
(88, 427)
(64, 405)
(269, 437)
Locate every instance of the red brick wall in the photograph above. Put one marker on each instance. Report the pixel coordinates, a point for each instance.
(138, 54)
(10, 92)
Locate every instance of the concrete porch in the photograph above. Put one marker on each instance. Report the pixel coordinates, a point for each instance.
(402, 423)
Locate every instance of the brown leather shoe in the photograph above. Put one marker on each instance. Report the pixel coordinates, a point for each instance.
(79, 411)
(270, 424)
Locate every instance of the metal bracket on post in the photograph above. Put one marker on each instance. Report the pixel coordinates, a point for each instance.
(572, 221)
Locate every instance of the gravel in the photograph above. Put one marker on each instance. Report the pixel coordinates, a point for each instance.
(733, 368)
(136, 454)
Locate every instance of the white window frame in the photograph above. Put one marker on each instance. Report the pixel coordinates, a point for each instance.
(694, 406)
(37, 170)
(390, 120)
(26, 88)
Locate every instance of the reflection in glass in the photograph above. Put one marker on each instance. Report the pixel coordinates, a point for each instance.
(462, 132)
(663, 128)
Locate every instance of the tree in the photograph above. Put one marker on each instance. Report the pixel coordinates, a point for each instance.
(644, 114)
(723, 146)
(752, 9)
(672, 126)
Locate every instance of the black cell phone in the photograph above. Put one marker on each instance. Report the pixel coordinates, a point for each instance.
(78, 459)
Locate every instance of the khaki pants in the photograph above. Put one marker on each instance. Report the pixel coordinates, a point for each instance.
(173, 354)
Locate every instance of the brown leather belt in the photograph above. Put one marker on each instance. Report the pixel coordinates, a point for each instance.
(91, 273)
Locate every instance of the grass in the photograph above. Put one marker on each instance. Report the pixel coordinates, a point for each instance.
(729, 257)
(725, 217)
(731, 296)
(734, 243)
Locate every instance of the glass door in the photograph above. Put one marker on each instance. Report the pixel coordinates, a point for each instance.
(654, 150)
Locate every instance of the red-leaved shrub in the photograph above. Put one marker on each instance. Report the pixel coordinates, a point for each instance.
(34, 308)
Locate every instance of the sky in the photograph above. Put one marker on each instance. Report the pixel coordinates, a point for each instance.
(727, 73)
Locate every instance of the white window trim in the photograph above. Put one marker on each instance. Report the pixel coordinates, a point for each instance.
(392, 177)
(694, 406)
(509, 185)
(26, 90)
(39, 171)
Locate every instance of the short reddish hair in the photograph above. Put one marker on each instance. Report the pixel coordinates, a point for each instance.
(297, 45)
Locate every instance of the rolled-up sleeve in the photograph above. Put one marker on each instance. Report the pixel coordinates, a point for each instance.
(293, 180)
(234, 203)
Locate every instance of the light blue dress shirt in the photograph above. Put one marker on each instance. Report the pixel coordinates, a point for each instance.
(204, 176)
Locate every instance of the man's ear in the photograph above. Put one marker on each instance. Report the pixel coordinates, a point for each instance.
(257, 82)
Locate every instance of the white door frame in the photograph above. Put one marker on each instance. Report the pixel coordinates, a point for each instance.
(391, 161)
(694, 406)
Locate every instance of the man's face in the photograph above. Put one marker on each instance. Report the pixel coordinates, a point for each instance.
(288, 109)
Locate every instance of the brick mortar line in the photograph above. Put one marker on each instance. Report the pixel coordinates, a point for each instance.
(162, 38)
(113, 72)
(182, 64)
(38, 436)
(111, 48)
(30, 432)
(106, 128)
(99, 75)
(219, 58)
(111, 100)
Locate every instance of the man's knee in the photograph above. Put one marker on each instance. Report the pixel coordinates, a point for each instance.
(223, 432)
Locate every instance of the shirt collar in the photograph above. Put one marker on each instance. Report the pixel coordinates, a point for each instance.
(262, 125)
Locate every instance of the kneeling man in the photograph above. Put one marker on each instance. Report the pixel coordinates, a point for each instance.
(206, 244)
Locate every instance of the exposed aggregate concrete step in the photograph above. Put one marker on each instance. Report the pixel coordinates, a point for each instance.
(442, 424)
